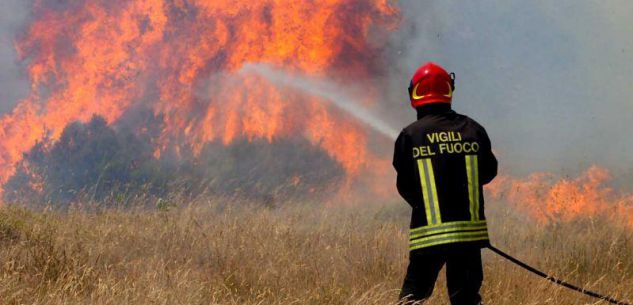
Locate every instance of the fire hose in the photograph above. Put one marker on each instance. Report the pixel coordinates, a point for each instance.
(555, 280)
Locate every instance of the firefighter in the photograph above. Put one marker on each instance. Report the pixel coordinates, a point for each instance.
(443, 160)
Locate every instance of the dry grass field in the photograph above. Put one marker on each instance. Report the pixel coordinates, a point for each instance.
(225, 252)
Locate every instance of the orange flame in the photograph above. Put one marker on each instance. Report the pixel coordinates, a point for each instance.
(179, 59)
(548, 199)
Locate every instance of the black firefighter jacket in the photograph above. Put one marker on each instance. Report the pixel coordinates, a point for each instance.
(442, 161)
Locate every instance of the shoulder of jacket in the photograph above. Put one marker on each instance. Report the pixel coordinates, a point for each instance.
(473, 122)
(407, 130)
(417, 126)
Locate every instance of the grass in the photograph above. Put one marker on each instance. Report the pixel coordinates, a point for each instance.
(213, 253)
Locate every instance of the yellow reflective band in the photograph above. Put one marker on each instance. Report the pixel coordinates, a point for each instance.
(425, 192)
(462, 223)
(448, 238)
(452, 236)
(469, 175)
(472, 172)
(476, 185)
(422, 232)
(448, 241)
(436, 203)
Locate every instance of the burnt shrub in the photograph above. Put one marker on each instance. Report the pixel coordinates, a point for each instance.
(105, 164)
(90, 159)
(267, 170)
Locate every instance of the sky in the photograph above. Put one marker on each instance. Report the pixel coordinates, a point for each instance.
(550, 80)
(13, 83)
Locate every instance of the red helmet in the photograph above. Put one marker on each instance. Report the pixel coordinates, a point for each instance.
(431, 84)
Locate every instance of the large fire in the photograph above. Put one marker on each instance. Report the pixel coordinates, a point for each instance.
(549, 199)
(180, 58)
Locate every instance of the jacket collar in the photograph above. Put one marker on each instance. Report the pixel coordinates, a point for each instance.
(436, 108)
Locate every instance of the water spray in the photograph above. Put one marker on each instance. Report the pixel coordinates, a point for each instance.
(336, 95)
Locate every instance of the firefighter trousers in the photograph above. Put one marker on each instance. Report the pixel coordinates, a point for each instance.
(464, 275)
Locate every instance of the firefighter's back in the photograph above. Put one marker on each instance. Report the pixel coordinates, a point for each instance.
(450, 154)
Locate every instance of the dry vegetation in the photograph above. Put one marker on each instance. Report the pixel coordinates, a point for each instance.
(211, 253)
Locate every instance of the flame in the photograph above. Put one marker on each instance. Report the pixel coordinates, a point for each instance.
(179, 59)
(548, 199)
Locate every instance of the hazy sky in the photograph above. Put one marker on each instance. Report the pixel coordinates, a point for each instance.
(551, 80)
(13, 83)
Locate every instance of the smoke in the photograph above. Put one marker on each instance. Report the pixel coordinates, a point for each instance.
(549, 79)
(13, 84)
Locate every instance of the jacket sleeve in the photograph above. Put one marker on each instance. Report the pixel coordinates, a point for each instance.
(404, 164)
(489, 164)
